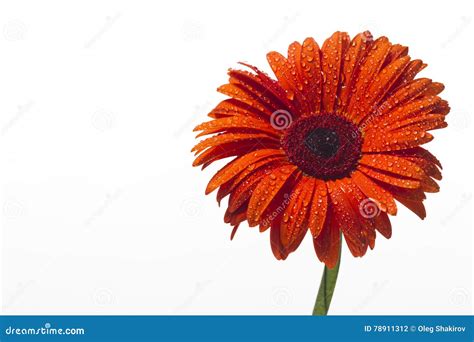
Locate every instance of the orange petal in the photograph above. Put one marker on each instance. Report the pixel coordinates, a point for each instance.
(410, 198)
(429, 168)
(297, 240)
(390, 179)
(413, 68)
(231, 137)
(353, 57)
(266, 191)
(429, 185)
(415, 206)
(236, 166)
(233, 107)
(261, 88)
(279, 251)
(411, 90)
(273, 87)
(411, 194)
(331, 61)
(381, 221)
(234, 124)
(346, 218)
(276, 208)
(395, 100)
(368, 69)
(236, 217)
(372, 190)
(311, 74)
(273, 217)
(295, 60)
(267, 164)
(282, 71)
(434, 89)
(240, 93)
(393, 164)
(244, 189)
(234, 230)
(380, 85)
(327, 244)
(319, 206)
(422, 158)
(360, 204)
(396, 51)
(230, 149)
(417, 107)
(288, 74)
(422, 122)
(383, 225)
(376, 142)
(419, 152)
(295, 214)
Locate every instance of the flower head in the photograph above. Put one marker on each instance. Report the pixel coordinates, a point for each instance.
(328, 146)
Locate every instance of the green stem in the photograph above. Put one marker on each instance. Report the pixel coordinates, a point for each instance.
(326, 289)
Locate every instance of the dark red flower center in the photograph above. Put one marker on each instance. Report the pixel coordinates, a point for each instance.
(325, 146)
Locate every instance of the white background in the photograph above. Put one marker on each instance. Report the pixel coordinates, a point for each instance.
(101, 209)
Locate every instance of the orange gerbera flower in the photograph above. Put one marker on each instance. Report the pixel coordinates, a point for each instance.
(327, 147)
